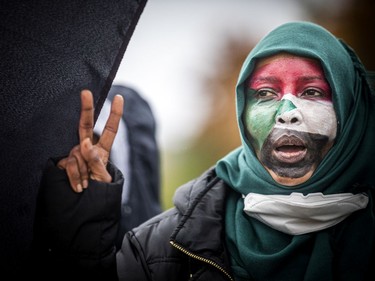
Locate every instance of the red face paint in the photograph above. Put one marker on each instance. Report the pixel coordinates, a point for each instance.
(289, 116)
(285, 74)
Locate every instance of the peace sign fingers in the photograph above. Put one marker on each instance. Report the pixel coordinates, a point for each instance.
(86, 121)
(111, 127)
(88, 160)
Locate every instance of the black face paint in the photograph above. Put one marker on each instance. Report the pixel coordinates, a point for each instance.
(309, 150)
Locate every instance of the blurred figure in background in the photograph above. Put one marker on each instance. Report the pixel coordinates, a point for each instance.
(136, 154)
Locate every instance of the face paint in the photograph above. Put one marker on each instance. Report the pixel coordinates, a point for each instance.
(289, 116)
(291, 153)
(259, 119)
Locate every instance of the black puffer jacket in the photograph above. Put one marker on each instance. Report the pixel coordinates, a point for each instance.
(76, 233)
(184, 243)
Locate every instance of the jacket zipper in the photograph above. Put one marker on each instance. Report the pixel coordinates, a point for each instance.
(201, 259)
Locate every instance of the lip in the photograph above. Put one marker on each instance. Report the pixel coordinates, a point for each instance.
(289, 149)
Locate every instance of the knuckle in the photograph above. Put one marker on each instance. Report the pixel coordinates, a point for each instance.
(111, 129)
(94, 156)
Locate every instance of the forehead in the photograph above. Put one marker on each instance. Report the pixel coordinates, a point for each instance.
(286, 65)
(290, 74)
(286, 58)
(282, 56)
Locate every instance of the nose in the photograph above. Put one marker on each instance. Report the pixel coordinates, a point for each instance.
(292, 117)
(288, 114)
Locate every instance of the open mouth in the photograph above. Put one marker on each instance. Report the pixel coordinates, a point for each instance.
(289, 149)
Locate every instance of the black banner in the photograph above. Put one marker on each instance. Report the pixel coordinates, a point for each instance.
(50, 51)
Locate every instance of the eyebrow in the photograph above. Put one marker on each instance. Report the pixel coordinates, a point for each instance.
(311, 78)
(273, 79)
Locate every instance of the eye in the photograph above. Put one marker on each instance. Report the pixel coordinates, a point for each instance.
(265, 94)
(313, 93)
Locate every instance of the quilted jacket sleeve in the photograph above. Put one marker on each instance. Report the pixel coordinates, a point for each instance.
(75, 232)
(146, 252)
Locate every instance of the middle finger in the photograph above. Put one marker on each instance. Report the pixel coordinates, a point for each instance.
(111, 127)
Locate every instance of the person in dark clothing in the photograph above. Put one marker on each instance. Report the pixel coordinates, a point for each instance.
(294, 202)
(135, 153)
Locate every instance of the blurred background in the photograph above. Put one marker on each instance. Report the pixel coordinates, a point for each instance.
(185, 56)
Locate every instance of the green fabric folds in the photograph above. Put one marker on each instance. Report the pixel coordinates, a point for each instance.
(262, 253)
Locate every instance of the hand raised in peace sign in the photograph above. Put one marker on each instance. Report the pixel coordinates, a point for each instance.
(87, 160)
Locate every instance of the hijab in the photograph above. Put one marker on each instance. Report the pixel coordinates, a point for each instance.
(262, 253)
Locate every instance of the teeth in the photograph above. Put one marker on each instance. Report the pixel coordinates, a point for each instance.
(290, 153)
(290, 148)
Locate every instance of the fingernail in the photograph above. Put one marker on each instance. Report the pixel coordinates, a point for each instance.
(85, 183)
(79, 187)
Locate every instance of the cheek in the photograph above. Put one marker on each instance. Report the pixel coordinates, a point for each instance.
(320, 119)
(259, 121)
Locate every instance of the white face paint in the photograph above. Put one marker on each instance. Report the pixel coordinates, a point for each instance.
(316, 117)
(289, 116)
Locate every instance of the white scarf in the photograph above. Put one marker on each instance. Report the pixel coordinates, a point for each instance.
(297, 214)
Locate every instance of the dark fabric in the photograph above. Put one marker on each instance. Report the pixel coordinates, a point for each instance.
(73, 237)
(144, 199)
(50, 51)
(371, 80)
(195, 224)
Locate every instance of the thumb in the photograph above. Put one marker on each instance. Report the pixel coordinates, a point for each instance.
(86, 148)
(98, 170)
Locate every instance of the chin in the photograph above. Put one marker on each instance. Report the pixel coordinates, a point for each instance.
(290, 181)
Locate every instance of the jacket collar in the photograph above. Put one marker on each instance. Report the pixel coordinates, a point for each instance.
(200, 232)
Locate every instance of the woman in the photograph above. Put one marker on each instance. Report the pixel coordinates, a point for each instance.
(294, 202)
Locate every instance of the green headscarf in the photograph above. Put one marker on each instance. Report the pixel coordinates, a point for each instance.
(261, 253)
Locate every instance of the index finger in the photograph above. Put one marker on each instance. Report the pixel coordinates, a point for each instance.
(111, 127)
(86, 120)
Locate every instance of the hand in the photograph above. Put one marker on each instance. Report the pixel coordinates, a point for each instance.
(87, 160)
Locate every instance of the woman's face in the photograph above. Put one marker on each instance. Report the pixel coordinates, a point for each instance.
(289, 116)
